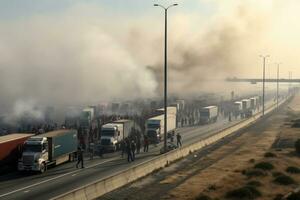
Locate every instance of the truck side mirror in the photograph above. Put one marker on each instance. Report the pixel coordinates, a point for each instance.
(118, 133)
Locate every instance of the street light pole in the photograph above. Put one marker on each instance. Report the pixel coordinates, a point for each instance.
(165, 72)
(264, 69)
(277, 93)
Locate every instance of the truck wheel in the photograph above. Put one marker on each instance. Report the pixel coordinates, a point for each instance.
(43, 168)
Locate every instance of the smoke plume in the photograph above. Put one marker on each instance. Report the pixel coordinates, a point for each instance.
(82, 56)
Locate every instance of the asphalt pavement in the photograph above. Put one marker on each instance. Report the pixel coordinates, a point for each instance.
(66, 177)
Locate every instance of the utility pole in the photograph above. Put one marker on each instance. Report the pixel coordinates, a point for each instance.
(264, 70)
(165, 73)
(277, 85)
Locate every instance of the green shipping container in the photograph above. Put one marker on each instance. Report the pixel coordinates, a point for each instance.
(61, 143)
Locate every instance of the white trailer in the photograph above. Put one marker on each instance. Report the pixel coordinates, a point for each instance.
(208, 114)
(155, 125)
(246, 104)
(247, 110)
(170, 110)
(112, 134)
(253, 103)
(238, 106)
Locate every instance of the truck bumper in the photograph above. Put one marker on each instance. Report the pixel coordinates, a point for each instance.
(33, 167)
(109, 147)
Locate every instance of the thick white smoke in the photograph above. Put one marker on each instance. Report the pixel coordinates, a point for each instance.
(82, 56)
(62, 61)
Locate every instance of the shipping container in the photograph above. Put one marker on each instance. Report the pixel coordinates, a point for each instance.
(11, 147)
(47, 149)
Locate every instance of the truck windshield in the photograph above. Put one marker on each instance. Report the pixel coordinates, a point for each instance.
(204, 113)
(150, 126)
(107, 133)
(33, 148)
(151, 134)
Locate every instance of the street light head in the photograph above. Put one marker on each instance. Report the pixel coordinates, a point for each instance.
(266, 56)
(155, 4)
(175, 4)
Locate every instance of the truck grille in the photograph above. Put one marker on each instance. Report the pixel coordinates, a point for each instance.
(105, 142)
(28, 160)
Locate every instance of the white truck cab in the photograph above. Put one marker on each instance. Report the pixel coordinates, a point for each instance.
(35, 155)
(111, 136)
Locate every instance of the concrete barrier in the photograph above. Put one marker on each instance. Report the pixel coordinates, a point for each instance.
(119, 179)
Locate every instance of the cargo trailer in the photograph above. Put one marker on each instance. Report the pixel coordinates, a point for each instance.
(47, 149)
(208, 114)
(112, 134)
(11, 147)
(155, 125)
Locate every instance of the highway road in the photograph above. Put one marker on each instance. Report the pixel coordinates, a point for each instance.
(66, 177)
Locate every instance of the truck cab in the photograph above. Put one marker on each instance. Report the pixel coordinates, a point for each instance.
(111, 136)
(154, 130)
(35, 155)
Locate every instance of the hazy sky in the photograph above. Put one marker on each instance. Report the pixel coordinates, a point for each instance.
(74, 51)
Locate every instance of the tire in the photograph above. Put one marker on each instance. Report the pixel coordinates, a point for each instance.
(43, 168)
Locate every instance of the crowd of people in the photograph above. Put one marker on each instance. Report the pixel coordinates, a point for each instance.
(132, 146)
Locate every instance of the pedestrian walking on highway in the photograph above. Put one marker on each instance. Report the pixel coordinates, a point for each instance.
(138, 145)
(128, 151)
(92, 150)
(178, 136)
(101, 151)
(146, 143)
(123, 148)
(133, 148)
(79, 157)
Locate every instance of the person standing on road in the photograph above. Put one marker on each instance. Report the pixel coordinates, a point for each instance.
(79, 157)
(138, 145)
(146, 143)
(178, 136)
(92, 150)
(133, 148)
(123, 148)
(128, 151)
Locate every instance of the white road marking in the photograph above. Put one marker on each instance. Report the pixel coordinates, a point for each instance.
(26, 191)
(74, 174)
(54, 178)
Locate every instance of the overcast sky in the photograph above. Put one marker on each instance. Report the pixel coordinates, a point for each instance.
(72, 51)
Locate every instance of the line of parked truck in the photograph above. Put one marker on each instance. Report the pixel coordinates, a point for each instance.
(246, 107)
(30, 152)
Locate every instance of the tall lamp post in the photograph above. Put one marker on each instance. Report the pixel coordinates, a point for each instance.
(165, 69)
(277, 92)
(264, 70)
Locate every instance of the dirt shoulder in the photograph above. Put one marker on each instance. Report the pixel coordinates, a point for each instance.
(222, 167)
(234, 170)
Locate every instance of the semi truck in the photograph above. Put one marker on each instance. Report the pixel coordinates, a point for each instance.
(237, 108)
(11, 147)
(208, 114)
(247, 112)
(112, 134)
(155, 125)
(47, 149)
(253, 103)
